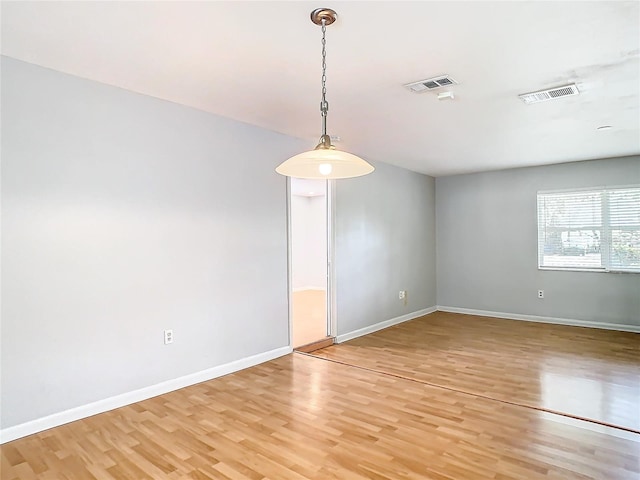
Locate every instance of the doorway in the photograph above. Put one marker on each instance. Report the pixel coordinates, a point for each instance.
(309, 246)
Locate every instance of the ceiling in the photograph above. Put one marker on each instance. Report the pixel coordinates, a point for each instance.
(259, 63)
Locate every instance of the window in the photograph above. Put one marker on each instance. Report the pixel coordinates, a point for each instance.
(595, 229)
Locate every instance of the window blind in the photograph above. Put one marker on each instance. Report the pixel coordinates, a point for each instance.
(595, 229)
(624, 221)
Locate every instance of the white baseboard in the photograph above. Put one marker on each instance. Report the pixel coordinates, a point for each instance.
(310, 287)
(77, 413)
(384, 324)
(540, 319)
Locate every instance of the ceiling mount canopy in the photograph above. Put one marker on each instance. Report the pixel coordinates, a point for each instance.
(324, 161)
(326, 15)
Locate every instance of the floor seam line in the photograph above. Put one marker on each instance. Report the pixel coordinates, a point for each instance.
(507, 402)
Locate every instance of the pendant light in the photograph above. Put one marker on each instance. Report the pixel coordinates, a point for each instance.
(324, 162)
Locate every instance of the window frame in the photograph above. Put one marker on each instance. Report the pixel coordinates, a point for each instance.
(605, 229)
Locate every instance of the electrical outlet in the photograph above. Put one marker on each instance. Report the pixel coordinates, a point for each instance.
(540, 293)
(168, 337)
(402, 294)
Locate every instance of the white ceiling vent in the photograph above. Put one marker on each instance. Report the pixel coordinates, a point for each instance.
(550, 94)
(431, 83)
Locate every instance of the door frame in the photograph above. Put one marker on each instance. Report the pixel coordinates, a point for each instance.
(332, 321)
(332, 307)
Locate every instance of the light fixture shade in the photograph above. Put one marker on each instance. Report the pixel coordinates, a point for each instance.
(324, 163)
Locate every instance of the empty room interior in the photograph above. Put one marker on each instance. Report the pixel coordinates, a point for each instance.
(347, 240)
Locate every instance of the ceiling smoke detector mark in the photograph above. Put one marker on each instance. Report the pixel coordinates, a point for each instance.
(549, 94)
(431, 83)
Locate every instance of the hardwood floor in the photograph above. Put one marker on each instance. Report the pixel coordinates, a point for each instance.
(306, 417)
(581, 372)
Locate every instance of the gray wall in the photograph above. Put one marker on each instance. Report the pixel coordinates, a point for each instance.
(487, 245)
(385, 242)
(123, 215)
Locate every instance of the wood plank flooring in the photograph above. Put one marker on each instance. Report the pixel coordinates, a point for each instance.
(305, 417)
(582, 372)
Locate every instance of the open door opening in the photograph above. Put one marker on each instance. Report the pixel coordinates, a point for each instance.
(309, 221)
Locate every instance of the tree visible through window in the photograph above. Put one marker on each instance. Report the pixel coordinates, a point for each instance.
(590, 229)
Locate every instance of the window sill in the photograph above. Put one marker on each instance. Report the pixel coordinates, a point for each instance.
(593, 270)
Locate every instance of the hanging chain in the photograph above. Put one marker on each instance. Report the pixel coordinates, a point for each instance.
(324, 105)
